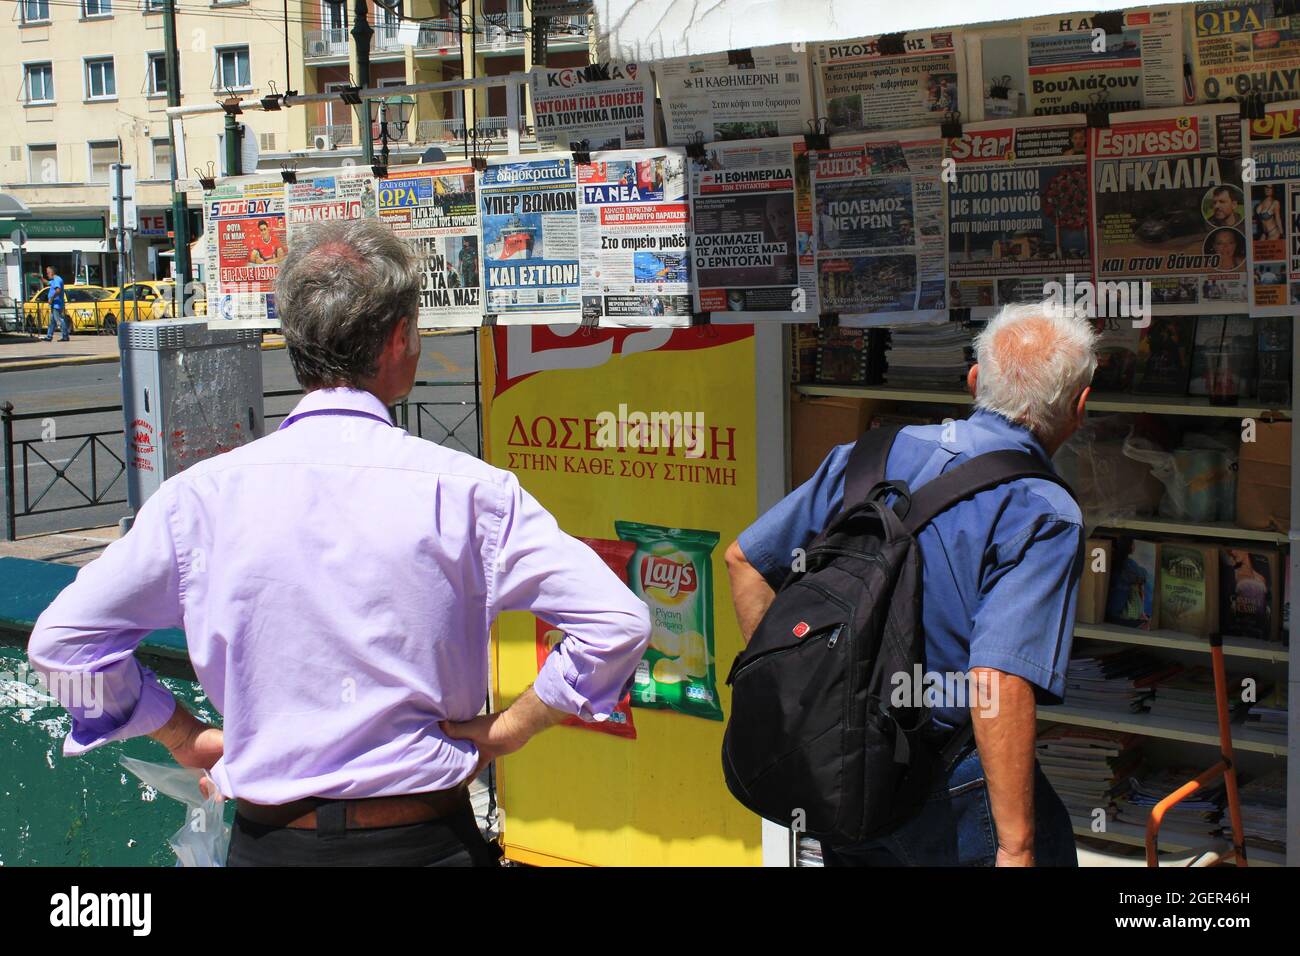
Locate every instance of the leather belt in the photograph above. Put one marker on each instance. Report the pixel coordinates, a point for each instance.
(361, 814)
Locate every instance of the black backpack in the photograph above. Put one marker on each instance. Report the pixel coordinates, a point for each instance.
(813, 741)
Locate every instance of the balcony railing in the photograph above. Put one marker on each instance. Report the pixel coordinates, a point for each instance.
(453, 130)
(340, 134)
(326, 43)
(385, 39)
(437, 35)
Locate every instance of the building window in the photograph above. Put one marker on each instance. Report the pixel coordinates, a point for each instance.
(162, 159)
(102, 156)
(96, 8)
(157, 70)
(232, 69)
(335, 18)
(154, 6)
(38, 82)
(42, 164)
(36, 11)
(101, 81)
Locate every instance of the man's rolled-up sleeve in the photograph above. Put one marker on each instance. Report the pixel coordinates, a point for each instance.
(83, 644)
(1025, 621)
(536, 567)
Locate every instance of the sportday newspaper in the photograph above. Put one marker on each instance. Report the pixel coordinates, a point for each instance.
(244, 221)
(1017, 210)
(723, 96)
(528, 209)
(614, 111)
(878, 215)
(751, 230)
(1168, 208)
(434, 209)
(1273, 209)
(633, 219)
(864, 89)
(1238, 48)
(331, 197)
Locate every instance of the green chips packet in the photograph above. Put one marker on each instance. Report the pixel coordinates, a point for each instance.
(672, 571)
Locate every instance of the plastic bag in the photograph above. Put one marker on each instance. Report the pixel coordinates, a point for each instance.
(205, 837)
(1107, 481)
(1197, 476)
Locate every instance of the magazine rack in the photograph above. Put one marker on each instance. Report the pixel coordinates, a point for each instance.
(1224, 768)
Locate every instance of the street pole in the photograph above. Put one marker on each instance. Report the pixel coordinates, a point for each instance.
(361, 34)
(180, 215)
(383, 131)
(233, 167)
(119, 200)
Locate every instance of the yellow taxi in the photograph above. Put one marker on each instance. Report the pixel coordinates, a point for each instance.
(90, 308)
(156, 299)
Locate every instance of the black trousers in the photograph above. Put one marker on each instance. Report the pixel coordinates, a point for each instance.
(453, 840)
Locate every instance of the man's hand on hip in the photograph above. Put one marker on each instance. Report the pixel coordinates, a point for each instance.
(192, 742)
(495, 735)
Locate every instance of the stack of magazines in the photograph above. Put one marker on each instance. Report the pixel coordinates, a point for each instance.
(1088, 767)
(1269, 713)
(1190, 821)
(1190, 696)
(1114, 677)
(1263, 811)
(929, 356)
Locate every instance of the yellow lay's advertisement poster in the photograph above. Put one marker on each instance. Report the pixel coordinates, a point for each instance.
(643, 443)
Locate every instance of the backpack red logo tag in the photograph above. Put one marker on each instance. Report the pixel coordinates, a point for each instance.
(801, 629)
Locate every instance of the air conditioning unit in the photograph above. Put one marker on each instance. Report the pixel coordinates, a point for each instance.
(322, 142)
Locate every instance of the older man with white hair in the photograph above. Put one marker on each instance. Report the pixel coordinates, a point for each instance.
(1000, 571)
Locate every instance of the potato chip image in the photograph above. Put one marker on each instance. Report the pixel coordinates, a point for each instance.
(695, 654)
(666, 642)
(668, 671)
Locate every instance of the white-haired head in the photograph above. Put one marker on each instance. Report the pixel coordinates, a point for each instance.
(1034, 360)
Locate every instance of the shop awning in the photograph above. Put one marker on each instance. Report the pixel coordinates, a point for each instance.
(59, 245)
(656, 29)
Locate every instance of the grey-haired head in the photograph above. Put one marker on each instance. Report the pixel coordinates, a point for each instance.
(339, 293)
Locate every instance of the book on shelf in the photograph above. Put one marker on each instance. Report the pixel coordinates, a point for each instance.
(842, 357)
(1189, 587)
(1131, 597)
(1249, 602)
(1164, 357)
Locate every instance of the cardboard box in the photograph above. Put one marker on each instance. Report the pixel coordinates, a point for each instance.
(817, 425)
(1264, 478)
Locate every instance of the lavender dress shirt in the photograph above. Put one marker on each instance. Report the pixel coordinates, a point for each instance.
(336, 581)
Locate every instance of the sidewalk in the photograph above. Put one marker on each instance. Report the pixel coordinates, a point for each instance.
(21, 352)
(62, 547)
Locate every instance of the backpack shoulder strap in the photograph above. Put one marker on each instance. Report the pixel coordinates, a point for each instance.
(971, 477)
(866, 465)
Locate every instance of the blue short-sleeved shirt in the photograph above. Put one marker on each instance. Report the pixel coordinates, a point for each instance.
(56, 292)
(1000, 570)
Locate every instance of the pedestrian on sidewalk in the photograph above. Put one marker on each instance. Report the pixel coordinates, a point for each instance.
(58, 306)
(342, 631)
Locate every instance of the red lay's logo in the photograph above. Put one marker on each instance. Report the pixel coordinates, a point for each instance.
(671, 576)
(801, 629)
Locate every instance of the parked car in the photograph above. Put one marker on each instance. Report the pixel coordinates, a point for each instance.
(157, 300)
(90, 308)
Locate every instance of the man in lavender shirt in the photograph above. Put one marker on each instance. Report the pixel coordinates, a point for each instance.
(336, 581)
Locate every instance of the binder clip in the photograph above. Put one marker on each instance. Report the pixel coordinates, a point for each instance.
(478, 160)
(588, 325)
(695, 146)
(288, 174)
(818, 136)
(350, 94)
(489, 320)
(595, 71)
(1251, 106)
(210, 180)
(231, 103)
(379, 170)
(1097, 114)
(950, 128)
(741, 58)
(273, 100)
(827, 321)
(1110, 22)
(581, 152)
(959, 315)
(1000, 87)
(891, 44)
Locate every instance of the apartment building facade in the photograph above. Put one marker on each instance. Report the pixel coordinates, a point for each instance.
(83, 85)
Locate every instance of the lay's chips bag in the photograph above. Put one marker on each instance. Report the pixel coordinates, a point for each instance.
(616, 555)
(672, 571)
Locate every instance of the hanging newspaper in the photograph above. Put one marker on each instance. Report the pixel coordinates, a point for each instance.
(864, 88)
(1239, 47)
(529, 212)
(434, 209)
(729, 96)
(1273, 213)
(1017, 211)
(879, 218)
(1168, 209)
(329, 198)
(610, 111)
(632, 218)
(244, 225)
(751, 231)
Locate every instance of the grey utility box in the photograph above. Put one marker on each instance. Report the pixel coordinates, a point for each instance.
(188, 393)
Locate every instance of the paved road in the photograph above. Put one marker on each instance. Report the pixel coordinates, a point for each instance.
(60, 389)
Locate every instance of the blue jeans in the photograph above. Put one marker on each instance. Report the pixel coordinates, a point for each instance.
(955, 828)
(59, 317)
